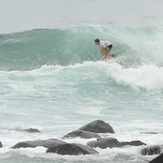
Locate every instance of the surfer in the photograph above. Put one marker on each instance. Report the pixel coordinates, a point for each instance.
(106, 47)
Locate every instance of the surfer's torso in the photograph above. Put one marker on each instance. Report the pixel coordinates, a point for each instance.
(104, 43)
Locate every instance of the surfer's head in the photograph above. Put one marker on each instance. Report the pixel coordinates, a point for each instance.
(97, 41)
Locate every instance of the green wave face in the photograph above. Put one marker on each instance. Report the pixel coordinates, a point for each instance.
(32, 49)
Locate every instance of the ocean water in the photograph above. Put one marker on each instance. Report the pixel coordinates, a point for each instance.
(52, 77)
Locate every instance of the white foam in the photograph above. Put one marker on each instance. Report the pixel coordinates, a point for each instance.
(148, 77)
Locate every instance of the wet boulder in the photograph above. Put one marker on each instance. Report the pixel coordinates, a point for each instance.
(98, 126)
(32, 130)
(149, 133)
(151, 150)
(71, 149)
(158, 159)
(1, 145)
(133, 143)
(45, 143)
(81, 134)
(105, 143)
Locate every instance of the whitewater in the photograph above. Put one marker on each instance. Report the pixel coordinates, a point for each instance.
(52, 77)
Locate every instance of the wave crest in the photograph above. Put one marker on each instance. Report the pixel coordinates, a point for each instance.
(67, 46)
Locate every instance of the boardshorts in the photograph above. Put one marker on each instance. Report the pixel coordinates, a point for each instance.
(110, 47)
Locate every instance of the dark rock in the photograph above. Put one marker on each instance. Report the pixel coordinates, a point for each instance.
(72, 149)
(112, 142)
(1, 145)
(82, 134)
(45, 143)
(149, 132)
(98, 126)
(152, 150)
(31, 130)
(104, 143)
(133, 143)
(158, 159)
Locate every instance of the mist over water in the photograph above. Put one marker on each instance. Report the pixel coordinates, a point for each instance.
(34, 14)
(52, 77)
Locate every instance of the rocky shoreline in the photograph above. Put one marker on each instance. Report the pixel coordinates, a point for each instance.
(88, 131)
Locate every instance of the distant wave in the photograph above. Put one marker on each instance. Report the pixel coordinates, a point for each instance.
(30, 50)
